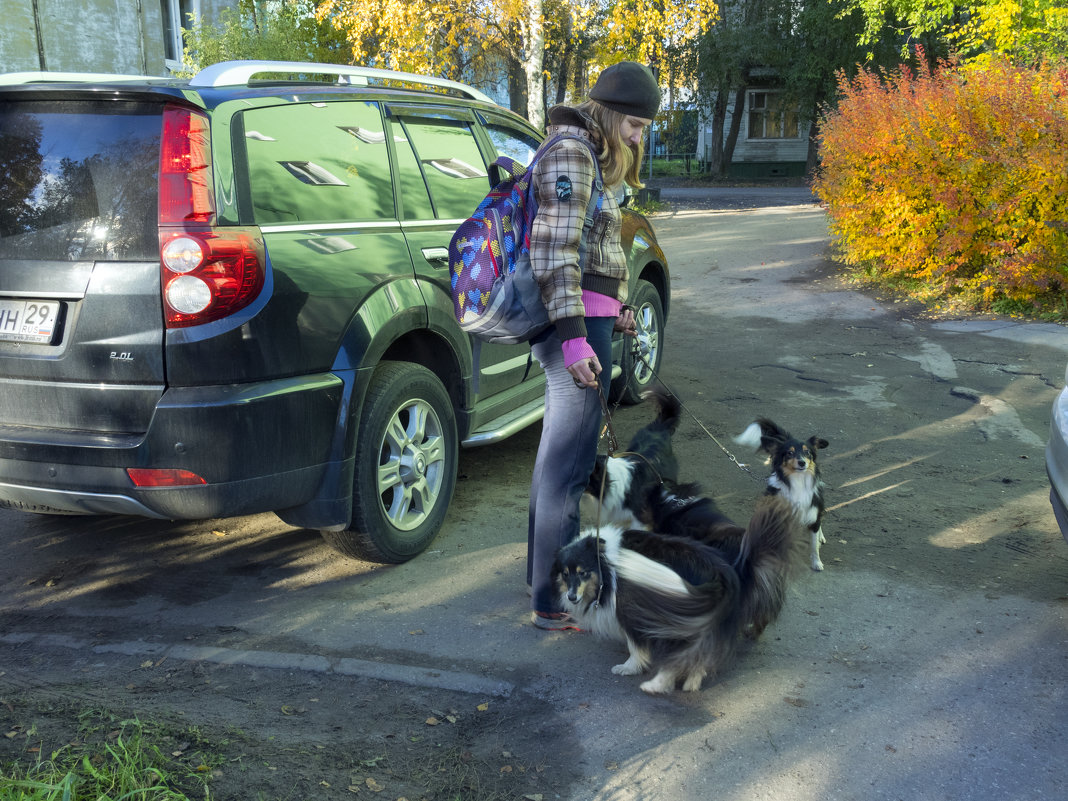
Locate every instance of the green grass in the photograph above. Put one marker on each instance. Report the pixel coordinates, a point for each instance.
(112, 760)
(668, 167)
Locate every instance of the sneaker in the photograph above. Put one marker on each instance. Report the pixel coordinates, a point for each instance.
(553, 621)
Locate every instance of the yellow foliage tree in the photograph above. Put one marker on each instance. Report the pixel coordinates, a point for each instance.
(458, 38)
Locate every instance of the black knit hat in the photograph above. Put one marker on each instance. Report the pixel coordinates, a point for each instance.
(629, 88)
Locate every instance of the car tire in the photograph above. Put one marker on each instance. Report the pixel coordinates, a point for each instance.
(406, 459)
(638, 374)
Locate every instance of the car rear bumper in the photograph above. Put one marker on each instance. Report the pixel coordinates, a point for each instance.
(258, 447)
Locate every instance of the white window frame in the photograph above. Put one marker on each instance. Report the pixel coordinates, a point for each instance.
(175, 17)
(784, 119)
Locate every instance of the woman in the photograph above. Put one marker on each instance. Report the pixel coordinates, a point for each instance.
(583, 281)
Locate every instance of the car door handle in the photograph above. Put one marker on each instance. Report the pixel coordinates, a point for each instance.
(436, 256)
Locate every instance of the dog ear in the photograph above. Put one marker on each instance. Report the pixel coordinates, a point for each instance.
(772, 431)
(815, 443)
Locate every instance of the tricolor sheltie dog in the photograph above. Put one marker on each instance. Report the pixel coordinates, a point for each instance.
(620, 483)
(676, 602)
(795, 475)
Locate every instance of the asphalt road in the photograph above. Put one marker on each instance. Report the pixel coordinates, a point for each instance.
(926, 662)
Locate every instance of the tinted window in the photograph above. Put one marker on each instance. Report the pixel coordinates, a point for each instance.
(451, 163)
(79, 180)
(318, 163)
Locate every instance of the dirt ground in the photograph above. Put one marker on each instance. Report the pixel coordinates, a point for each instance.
(270, 734)
(938, 531)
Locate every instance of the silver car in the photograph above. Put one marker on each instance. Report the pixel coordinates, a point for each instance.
(1057, 458)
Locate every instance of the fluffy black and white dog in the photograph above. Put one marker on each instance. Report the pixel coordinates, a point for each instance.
(619, 483)
(795, 474)
(677, 602)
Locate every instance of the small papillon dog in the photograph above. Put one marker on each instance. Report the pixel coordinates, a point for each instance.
(795, 474)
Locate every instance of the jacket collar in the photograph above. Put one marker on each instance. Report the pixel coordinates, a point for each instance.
(576, 122)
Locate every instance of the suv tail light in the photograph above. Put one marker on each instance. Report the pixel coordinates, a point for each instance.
(207, 272)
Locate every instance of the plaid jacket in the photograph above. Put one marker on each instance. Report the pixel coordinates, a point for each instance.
(562, 183)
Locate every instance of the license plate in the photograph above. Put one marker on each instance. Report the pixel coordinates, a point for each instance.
(28, 320)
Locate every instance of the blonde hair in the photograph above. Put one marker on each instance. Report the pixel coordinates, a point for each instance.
(620, 162)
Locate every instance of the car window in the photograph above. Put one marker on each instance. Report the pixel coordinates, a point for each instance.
(451, 164)
(318, 163)
(511, 142)
(79, 180)
(415, 197)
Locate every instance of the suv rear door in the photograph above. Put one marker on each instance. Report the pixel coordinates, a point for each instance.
(81, 323)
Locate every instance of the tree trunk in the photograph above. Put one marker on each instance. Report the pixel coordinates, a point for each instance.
(736, 126)
(567, 59)
(517, 87)
(812, 163)
(535, 65)
(714, 152)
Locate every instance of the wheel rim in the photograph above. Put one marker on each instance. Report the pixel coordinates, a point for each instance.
(647, 341)
(411, 466)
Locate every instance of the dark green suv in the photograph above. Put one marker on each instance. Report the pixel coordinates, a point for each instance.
(230, 295)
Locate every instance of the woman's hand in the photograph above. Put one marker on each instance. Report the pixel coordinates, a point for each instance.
(585, 372)
(625, 322)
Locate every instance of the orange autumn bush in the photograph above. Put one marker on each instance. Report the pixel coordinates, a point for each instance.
(953, 183)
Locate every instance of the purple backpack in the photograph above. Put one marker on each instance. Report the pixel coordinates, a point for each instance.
(495, 296)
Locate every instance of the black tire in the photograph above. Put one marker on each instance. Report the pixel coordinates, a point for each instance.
(406, 457)
(639, 375)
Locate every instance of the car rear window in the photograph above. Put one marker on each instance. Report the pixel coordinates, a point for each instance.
(80, 180)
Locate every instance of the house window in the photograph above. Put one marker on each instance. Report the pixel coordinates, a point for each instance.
(175, 17)
(769, 118)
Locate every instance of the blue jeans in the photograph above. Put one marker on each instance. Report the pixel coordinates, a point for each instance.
(566, 455)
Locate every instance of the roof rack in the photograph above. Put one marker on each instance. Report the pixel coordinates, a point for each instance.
(239, 73)
(69, 77)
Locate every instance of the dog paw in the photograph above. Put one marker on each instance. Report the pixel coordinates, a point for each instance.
(817, 565)
(693, 683)
(628, 668)
(656, 686)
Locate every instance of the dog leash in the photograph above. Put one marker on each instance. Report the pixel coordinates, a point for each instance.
(613, 442)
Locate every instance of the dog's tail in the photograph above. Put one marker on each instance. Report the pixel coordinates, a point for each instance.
(764, 562)
(762, 434)
(669, 407)
(662, 605)
(751, 437)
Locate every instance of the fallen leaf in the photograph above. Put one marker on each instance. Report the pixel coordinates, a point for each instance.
(798, 702)
(218, 533)
(611, 766)
(324, 784)
(147, 664)
(373, 786)
(450, 718)
(506, 768)
(482, 707)
(416, 632)
(534, 797)
(432, 721)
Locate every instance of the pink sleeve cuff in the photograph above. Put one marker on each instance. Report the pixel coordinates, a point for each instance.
(576, 349)
(598, 305)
